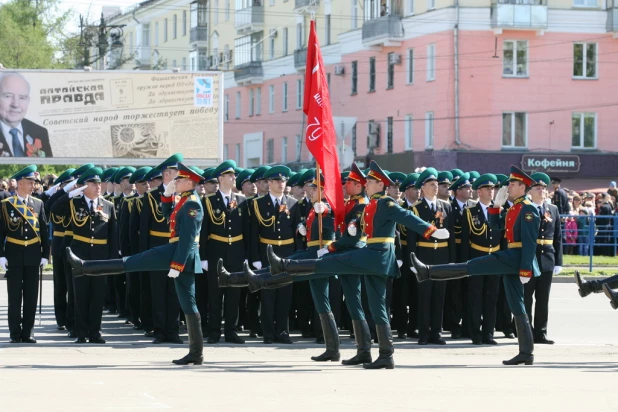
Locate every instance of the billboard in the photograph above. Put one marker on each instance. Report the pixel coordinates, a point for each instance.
(110, 117)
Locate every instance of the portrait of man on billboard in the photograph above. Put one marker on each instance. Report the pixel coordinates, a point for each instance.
(19, 137)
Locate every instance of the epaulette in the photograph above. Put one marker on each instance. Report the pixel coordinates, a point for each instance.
(7, 199)
(418, 202)
(362, 201)
(152, 190)
(469, 206)
(194, 198)
(259, 197)
(210, 194)
(526, 202)
(443, 201)
(140, 197)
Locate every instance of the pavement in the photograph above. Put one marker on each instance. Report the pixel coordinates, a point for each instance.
(579, 372)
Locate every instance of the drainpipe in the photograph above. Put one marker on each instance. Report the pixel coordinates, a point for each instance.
(456, 62)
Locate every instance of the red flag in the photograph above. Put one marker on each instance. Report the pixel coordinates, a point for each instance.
(320, 135)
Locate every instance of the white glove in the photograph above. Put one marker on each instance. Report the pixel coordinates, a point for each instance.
(302, 229)
(399, 263)
(441, 234)
(3, 262)
(322, 252)
(319, 207)
(501, 196)
(173, 273)
(70, 186)
(257, 265)
(524, 279)
(205, 265)
(557, 270)
(77, 192)
(44, 262)
(52, 189)
(170, 189)
(352, 230)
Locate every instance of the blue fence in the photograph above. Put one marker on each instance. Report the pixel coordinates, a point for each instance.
(591, 233)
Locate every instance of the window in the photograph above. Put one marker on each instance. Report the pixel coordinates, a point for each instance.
(353, 143)
(327, 28)
(272, 2)
(431, 4)
(284, 97)
(408, 132)
(184, 23)
(389, 135)
(390, 70)
(431, 62)
(273, 33)
(225, 151)
(238, 105)
(585, 3)
(585, 60)
(248, 49)
(271, 98)
(146, 35)
(237, 153)
(284, 150)
(372, 74)
(410, 7)
(164, 30)
(174, 64)
(156, 41)
(227, 10)
(429, 130)
(251, 101)
(226, 108)
(175, 27)
(131, 43)
(354, 14)
(299, 36)
(354, 77)
(270, 151)
(285, 41)
(299, 94)
(584, 133)
(515, 58)
(328, 82)
(514, 129)
(410, 74)
(184, 63)
(226, 56)
(299, 144)
(258, 102)
(215, 12)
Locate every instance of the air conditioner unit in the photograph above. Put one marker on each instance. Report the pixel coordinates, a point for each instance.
(339, 70)
(374, 128)
(395, 58)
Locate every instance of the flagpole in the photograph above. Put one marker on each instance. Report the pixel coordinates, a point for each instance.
(319, 180)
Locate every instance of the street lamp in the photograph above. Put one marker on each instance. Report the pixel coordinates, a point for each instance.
(102, 32)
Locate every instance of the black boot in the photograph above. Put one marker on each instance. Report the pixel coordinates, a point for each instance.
(94, 267)
(363, 344)
(292, 267)
(385, 341)
(525, 340)
(594, 286)
(232, 280)
(196, 341)
(331, 339)
(613, 296)
(438, 272)
(263, 279)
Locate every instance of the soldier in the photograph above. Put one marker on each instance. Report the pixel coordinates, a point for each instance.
(180, 255)
(211, 184)
(437, 213)
(109, 303)
(298, 187)
(473, 176)
(560, 198)
(478, 239)
(517, 263)
(24, 229)
(246, 188)
(549, 256)
(445, 179)
(109, 184)
(154, 231)
(244, 185)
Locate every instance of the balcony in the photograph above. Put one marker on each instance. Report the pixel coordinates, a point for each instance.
(299, 4)
(507, 15)
(612, 17)
(300, 59)
(385, 31)
(249, 20)
(198, 36)
(249, 73)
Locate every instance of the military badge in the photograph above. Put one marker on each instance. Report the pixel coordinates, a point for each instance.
(529, 217)
(100, 207)
(283, 208)
(218, 211)
(193, 212)
(391, 204)
(440, 215)
(547, 216)
(233, 204)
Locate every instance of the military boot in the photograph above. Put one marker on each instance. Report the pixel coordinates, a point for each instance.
(385, 342)
(292, 267)
(94, 267)
(363, 344)
(196, 341)
(263, 279)
(438, 272)
(525, 340)
(331, 339)
(613, 296)
(227, 279)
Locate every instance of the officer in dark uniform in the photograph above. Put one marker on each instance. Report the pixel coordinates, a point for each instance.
(247, 189)
(517, 264)
(549, 256)
(109, 303)
(210, 186)
(437, 213)
(106, 179)
(154, 231)
(93, 223)
(560, 198)
(24, 248)
(478, 239)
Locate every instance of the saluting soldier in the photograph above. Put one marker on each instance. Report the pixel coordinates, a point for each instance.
(24, 249)
(549, 256)
(439, 214)
(478, 239)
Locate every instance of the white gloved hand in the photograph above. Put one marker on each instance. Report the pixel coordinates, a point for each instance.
(557, 270)
(319, 207)
(77, 192)
(257, 265)
(3, 262)
(43, 262)
(205, 265)
(441, 234)
(399, 263)
(501, 196)
(302, 229)
(352, 230)
(322, 252)
(524, 279)
(70, 186)
(170, 189)
(52, 189)
(173, 273)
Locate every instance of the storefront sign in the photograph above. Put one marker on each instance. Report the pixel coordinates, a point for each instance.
(550, 163)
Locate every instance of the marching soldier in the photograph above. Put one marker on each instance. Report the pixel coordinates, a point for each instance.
(24, 249)
(549, 256)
